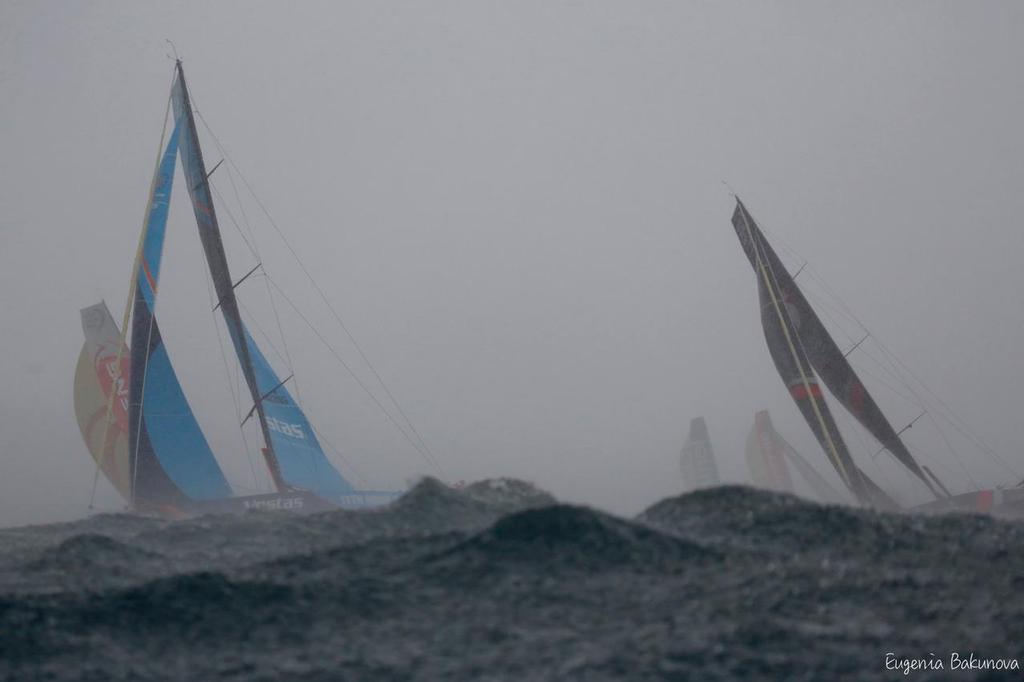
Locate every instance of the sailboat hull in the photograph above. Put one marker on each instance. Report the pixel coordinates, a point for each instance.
(998, 502)
(297, 502)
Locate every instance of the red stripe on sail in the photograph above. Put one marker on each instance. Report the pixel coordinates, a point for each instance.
(800, 391)
(149, 277)
(985, 500)
(857, 397)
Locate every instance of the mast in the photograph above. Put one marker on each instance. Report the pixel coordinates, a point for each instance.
(213, 246)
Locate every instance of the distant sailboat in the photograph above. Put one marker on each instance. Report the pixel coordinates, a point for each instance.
(770, 458)
(131, 408)
(802, 350)
(765, 456)
(697, 459)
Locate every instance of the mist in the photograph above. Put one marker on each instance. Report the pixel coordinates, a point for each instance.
(521, 212)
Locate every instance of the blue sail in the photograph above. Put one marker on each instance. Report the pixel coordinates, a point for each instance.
(172, 459)
(293, 453)
(301, 459)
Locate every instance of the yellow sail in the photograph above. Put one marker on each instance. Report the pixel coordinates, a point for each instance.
(98, 375)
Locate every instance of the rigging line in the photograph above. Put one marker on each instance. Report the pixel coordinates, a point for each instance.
(348, 463)
(264, 336)
(241, 206)
(311, 460)
(944, 412)
(814, 274)
(952, 452)
(949, 415)
(134, 454)
(429, 459)
(856, 345)
(901, 432)
(316, 286)
(231, 217)
(825, 307)
(885, 368)
(231, 385)
(270, 295)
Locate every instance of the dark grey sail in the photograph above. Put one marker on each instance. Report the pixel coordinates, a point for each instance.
(821, 349)
(791, 361)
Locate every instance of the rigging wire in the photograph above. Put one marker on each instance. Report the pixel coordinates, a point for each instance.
(425, 453)
(422, 443)
(945, 413)
(284, 357)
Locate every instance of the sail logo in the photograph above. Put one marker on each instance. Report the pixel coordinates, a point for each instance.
(112, 377)
(285, 429)
(275, 503)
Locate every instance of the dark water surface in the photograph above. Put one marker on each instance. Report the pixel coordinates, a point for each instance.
(499, 582)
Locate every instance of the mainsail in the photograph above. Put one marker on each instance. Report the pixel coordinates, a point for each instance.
(697, 459)
(171, 459)
(821, 349)
(293, 453)
(790, 359)
(765, 456)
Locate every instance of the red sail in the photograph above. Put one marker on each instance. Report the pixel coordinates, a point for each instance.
(765, 456)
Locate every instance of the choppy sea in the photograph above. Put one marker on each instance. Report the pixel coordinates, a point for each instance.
(498, 581)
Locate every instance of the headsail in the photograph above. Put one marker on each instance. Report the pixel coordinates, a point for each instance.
(697, 459)
(765, 456)
(822, 351)
(171, 459)
(790, 359)
(100, 415)
(292, 451)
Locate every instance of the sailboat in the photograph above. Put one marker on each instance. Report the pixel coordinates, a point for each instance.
(770, 457)
(697, 459)
(803, 351)
(131, 408)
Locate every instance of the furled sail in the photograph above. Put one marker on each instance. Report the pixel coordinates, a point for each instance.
(103, 369)
(821, 349)
(697, 459)
(170, 455)
(293, 454)
(765, 456)
(790, 359)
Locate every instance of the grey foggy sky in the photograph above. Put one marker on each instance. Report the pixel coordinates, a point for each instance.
(518, 209)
